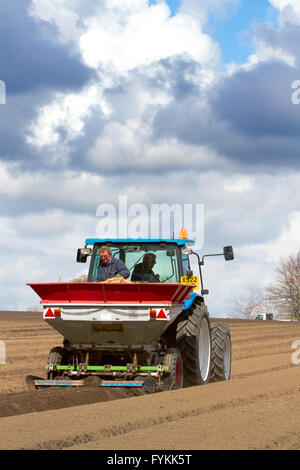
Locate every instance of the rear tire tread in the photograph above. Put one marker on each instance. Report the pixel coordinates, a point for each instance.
(187, 343)
(219, 333)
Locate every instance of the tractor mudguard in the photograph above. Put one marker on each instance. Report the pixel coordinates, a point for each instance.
(189, 302)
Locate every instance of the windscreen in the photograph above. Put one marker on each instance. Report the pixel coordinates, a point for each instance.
(146, 263)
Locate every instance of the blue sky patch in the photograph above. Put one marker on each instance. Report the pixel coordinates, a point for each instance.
(234, 33)
(173, 5)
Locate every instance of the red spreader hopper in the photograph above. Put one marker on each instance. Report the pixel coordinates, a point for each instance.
(105, 293)
(106, 315)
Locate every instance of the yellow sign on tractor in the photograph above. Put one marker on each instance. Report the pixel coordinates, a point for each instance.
(190, 280)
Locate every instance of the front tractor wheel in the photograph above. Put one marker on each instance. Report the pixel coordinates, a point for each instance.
(193, 338)
(173, 360)
(221, 352)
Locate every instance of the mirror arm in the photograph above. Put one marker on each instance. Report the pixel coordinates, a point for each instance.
(204, 256)
(200, 263)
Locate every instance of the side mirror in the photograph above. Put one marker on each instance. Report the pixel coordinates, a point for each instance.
(82, 254)
(187, 251)
(228, 253)
(170, 253)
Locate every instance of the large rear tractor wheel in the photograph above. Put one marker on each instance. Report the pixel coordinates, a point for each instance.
(193, 339)
(173, 360)
(221, 352)
(57, 357)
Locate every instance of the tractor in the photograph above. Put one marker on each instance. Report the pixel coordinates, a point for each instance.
(151, 330)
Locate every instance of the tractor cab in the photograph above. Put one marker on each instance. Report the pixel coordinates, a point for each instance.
(151, 260)
(147, 260)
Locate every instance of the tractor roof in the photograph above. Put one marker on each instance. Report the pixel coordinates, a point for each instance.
(178, 241)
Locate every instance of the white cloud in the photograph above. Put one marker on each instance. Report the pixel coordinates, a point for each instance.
(66, 112)
(13, 182)
(37, 247)
(226, 280)
(289, 10)
(65, 17)
(286, 244)
(60, 189)
(124, 35)
(202, 9)
(144, 35)
(47, 224)
(118, 38)
(241, 185)
(129, 146)
(266, 53)
(52, 232)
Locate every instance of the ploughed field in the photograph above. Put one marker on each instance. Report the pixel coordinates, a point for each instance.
(258, 408)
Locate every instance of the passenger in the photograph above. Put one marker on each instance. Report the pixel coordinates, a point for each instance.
(143, 271)
(110, 267)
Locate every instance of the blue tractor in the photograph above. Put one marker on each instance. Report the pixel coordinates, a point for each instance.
(204, 349)
(149, 328)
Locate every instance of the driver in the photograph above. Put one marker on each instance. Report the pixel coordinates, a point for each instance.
(143, 271)
(110, 267)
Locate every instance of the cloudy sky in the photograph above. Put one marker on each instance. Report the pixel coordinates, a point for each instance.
(166, 101)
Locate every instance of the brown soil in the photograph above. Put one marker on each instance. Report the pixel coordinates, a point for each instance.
(259, 408)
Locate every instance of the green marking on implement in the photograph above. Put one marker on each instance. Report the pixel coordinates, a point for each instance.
(111, 368)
